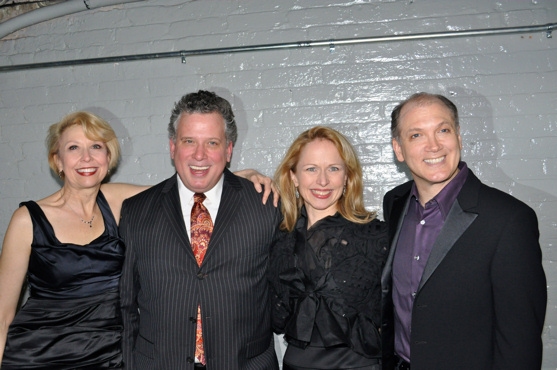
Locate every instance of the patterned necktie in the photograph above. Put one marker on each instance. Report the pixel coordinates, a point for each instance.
(201, 229)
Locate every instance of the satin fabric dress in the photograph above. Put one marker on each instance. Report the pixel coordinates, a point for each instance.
(326, 292)
(72, 318)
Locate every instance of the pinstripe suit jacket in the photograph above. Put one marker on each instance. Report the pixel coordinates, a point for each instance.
(162, 285)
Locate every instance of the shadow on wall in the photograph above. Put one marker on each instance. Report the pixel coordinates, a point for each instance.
(482, 149)
(241, 122)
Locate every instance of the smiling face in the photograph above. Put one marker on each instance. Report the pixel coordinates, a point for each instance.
(320, 177)
(200, 152)
(430, 144)
(84, 161)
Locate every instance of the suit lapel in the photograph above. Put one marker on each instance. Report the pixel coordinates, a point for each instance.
(399, 209)
(456, 223)
(229, 204)
(462, 214)
(170, 203)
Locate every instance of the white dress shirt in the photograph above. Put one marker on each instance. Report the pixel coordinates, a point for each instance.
(211, 202)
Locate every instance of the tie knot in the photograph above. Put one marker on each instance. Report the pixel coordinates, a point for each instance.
(199, 197)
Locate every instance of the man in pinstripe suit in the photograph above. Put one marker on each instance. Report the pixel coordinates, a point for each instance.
(162, 284)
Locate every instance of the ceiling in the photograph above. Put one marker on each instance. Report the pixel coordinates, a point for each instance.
(13, 8)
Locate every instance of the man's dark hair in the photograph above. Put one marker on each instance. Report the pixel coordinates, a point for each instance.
(204, 102)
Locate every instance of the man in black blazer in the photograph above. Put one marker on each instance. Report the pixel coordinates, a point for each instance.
(162, 284)
(464, 286)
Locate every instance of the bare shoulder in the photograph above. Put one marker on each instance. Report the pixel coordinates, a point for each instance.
(20, 230)
(20, 218)
(119, 191)
(116, 193)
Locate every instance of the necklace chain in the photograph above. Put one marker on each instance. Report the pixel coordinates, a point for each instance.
(90, 222)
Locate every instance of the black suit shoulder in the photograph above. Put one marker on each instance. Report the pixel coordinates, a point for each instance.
(251, 200)
(246, 187)
(141, 203)
(400, 190)
(394, 194)
(475, 196)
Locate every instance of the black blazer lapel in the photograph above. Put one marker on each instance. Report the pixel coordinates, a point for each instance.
(396, 211)
(455, 225)
(230, 202)
(395, 204)
(172, 210)
(460, 217)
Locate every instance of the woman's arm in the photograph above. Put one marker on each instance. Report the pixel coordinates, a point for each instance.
(14, 260)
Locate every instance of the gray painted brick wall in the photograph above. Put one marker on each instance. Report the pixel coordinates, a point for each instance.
(505, 87)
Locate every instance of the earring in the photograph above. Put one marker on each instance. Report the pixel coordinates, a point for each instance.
(108, 172)
(297, 194)
(60, 173)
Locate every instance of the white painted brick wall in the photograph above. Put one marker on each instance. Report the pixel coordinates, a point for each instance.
(505, 87)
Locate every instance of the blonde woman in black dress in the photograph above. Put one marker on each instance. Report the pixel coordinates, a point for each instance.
(68, 249)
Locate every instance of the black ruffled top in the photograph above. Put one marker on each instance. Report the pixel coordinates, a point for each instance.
(326, 284)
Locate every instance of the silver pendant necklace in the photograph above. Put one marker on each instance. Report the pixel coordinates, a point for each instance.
(90, 222)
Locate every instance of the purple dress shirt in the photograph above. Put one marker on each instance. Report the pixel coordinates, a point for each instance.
(418, 233)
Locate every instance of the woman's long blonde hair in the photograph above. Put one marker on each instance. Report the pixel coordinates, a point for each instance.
(351, 203)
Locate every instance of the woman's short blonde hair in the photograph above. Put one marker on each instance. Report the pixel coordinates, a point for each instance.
(351, 203)
(94, 128)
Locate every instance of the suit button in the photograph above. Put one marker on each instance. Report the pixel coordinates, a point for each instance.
(201, 276)
(190, 360)
(193, 319)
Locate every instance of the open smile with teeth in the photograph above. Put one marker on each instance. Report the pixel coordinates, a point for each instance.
(321, 193)
(199, 168)
(434, 160)
(86, 171)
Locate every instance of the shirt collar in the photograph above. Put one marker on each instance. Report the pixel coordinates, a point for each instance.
(212, 195)
(446, 197)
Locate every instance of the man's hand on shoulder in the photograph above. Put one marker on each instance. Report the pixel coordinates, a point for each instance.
(260, 183)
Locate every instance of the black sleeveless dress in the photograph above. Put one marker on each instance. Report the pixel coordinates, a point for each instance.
(72, 317)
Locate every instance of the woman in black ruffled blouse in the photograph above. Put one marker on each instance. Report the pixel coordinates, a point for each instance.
(325, 270)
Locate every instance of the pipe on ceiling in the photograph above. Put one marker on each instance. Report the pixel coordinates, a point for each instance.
(53, 11)
(183, 54)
